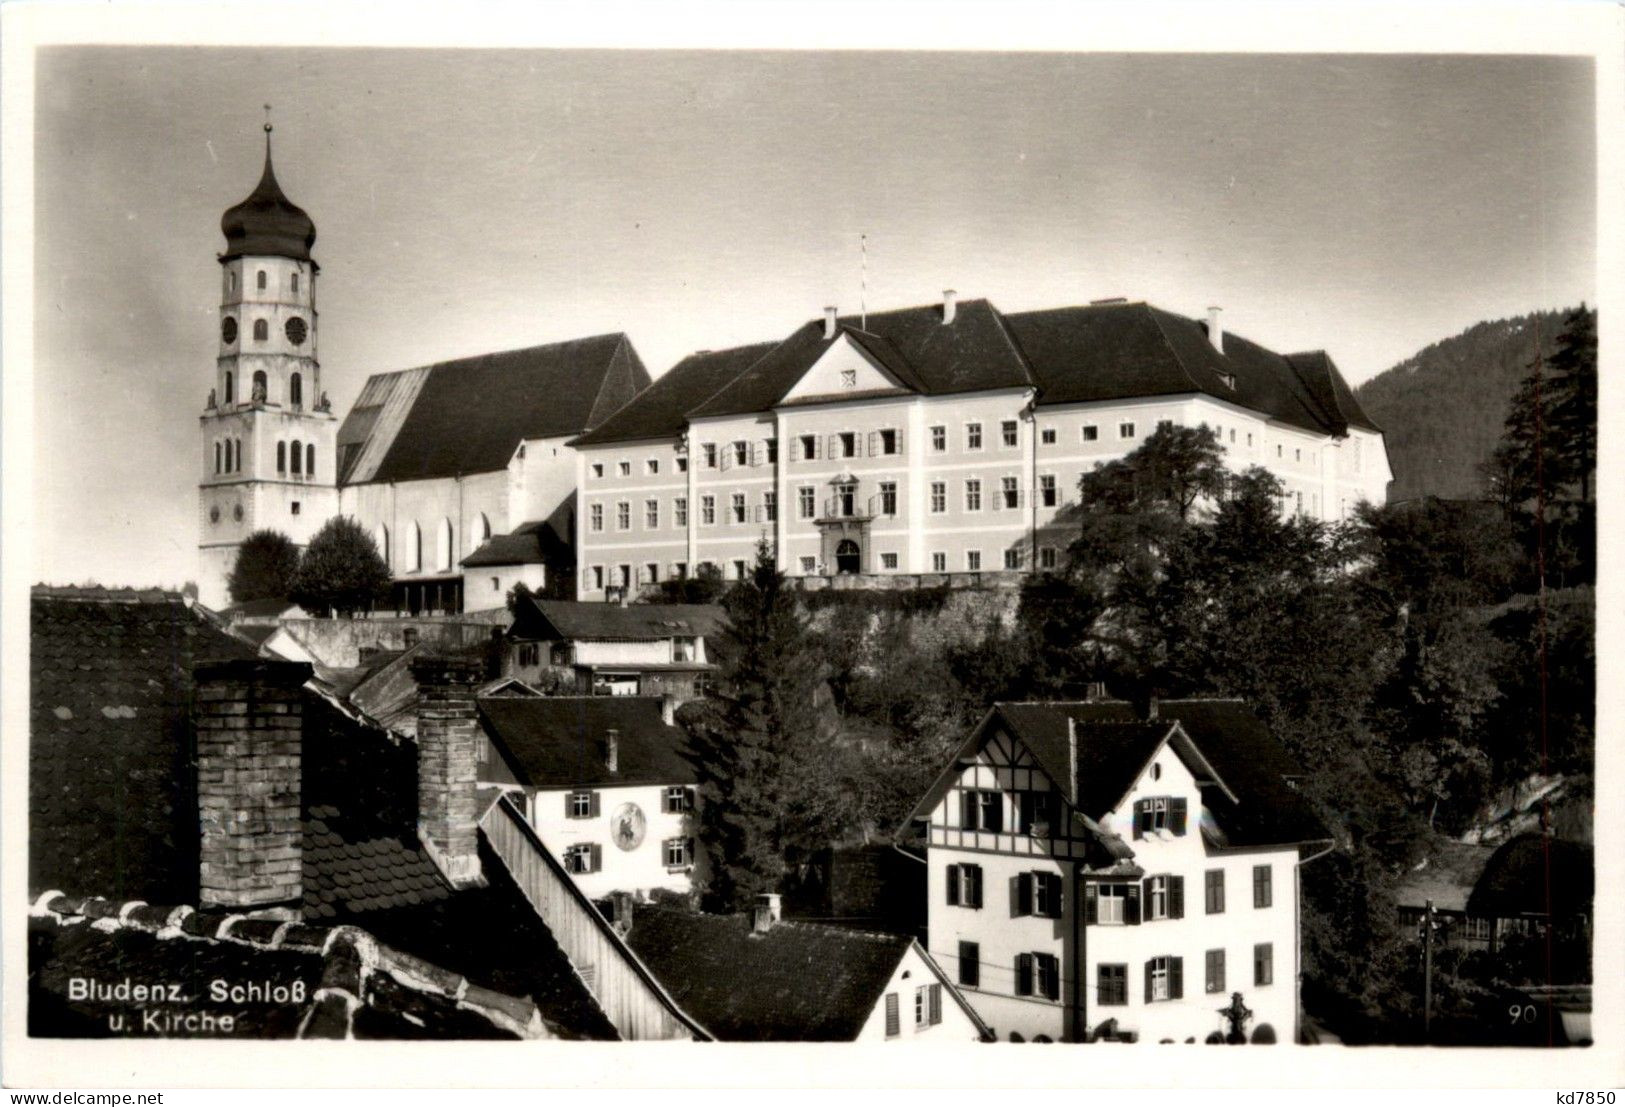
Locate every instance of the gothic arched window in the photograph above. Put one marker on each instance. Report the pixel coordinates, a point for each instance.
(310, 459)
(380, 538)
(485, 528)
(259, 283)
(262, 330)
(282, 457)
(231, 393)
(237, 451)
(414, 551)
(296, 390)
(443, 546)
(298, 458)
(217, 457)
(295, 279)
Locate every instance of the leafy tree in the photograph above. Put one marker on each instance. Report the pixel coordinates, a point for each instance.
(265, 567)
(341, 571)
(704, 586)
(1173, 469)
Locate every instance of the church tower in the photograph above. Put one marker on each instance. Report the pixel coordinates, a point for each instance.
(268, 432)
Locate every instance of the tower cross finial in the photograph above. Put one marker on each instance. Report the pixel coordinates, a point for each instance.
(267, 118)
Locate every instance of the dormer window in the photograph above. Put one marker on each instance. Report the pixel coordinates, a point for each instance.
(1160, 814)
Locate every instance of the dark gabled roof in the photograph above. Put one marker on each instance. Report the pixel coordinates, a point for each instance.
(658, 411)
(1535, 875)
(469, 415)
(110, 789)
(798, 982)
(974, 353)
(570, 620)
(533, 543)
(561, 741)
(1110, 754)
(1331, 392)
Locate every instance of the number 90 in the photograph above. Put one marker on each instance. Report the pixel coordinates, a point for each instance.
(1521, 1012)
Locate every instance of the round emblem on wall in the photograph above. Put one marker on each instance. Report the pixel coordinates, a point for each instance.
(629, 826)
(228, 330)
(296, 330)
(214, 514)
(237, 513)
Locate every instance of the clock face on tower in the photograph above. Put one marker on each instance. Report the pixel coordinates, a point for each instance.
(296, 331)
(228, 330)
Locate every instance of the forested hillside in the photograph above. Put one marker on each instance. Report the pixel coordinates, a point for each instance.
(1442, 409)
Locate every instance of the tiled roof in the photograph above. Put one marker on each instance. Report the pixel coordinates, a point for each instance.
(533, 543)
(658, 411)
(561, 741)
(797, 982)
(354, 865)
(340, 982)
(570, 620)
(110, 793)
(1110, 754)
(1334, 397)
(1535, 875)
(469, 415)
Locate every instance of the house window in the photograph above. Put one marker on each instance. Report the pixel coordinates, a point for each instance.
(1164, 897)
(1012, 559)
(583, 858)
(846, 444)
(597, 469)
(708, 510)
(1090, 432)
(624, 468)
(1009, 493)
(964, 886)
(281, 456)
(651, 514)
(1038, 894)
(740, 572)
(1111, 985)
(1125, 430)
(939, 440)
(1263, 964)
(1046, 489)
(1213, 887)
(1035, 812)
(679, 852)
(939, 562)
(598, 578)
(1046, 557)
(529, 655)
(741, 453)
(809, 447)
(595, 517)
(679, 511)
(708, 455)
(982, 810)
(682, 465)
(973, 436)
(1160, 814)
(652, 466)
(970, 964)
(623, 515)
(623, 575)
(894, 1022)
(939, 497)
(651, 572)
(973, 561)
(496, 584)
(770, 506)
(678, 799)
(888, 442)
(581, 804)
(1249, 438)
(1008, 433)
(679, 570)
(809, 564)
(888, 561)
(806, 501)
(738, 507)
(1163, 979)
(1215, 971)
(973, 495)
(888, 497)
(1263, 892)
(845, 499)
(771, 445)
(927, 1005)
(293, 508)
(1297, 455)
(1111, 903)
(1232, 435)
(1047, 436)
(1038, 974)
(1278, 449)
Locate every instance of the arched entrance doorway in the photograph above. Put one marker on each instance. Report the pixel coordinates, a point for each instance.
(846, 556)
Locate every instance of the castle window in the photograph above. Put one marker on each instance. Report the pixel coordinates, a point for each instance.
(282, 457)
(298, 458)
(310, 460)
(231, 392)
(296, 390)
(259, 282)
(293, 507)
(262, 329)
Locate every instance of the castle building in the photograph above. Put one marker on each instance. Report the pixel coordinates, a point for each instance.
(941, 441)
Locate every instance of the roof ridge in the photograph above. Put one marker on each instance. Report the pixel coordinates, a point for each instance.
(1172, 349)
(1015, 347)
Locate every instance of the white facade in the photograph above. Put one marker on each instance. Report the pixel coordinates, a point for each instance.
(908, 1007)
(634, 832)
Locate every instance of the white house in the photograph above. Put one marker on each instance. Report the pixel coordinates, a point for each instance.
(941, 440)
(604, 783)
(607, 649)
(1097, 874)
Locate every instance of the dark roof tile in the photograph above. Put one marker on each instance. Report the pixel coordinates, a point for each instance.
(560, 741)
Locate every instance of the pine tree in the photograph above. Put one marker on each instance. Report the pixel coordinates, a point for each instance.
(341, 571)
(265, 567)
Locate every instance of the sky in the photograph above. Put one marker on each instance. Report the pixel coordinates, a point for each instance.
(468, 201)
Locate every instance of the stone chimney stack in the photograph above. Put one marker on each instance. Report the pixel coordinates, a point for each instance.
(950, 304)
(830, 322)
(448, 749)
(1215, 328)
(249, 723)
(612, 750)
(766, 913)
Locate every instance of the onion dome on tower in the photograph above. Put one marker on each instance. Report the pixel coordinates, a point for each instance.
(267, 223)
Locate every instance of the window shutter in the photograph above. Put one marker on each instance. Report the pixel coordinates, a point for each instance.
(727, 459)
(597, 856)
(1131, 904)
(1024, 974)
(1176, 814)
(953, 885)
(1176, 897)
(975, 873)
(592, 805)
(1091, 904)
(874, 443)
(1139, 818)
(1024, 894)
(893, 1023)
(1176, 977)
(818, 447)
(936, 1004)
(899, 440)
(967, 810)
(795, 449)
(569, 809)
(1148, 993)
(834, 447)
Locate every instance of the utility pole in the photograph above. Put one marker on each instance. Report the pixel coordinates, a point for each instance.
(1427, 971)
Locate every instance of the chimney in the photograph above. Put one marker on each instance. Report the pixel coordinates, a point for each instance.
(829, 321)
(1151, 707)
(448, 748)
(1072, 759)
(1215, 328)
(620, 912)
(612, 750)
(766, 913)
(249, 724)
(668, 709)
(949, 305)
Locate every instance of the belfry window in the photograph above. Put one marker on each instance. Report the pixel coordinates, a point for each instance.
(237, 450)
(282, 457)
(259, 282)
(217, 457)
(260, 393)
(296, 390)
(294, 278)
(262, 330)
(310, 459)
(298, 459)
(231, 394)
